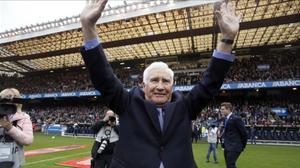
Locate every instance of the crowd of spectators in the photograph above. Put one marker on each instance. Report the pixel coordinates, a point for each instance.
(65, 114)
(254, 68)
(47, 83)
(265, 68)
(257, 112)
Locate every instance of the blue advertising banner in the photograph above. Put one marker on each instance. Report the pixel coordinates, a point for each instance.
(280, 111)
(256, 85)
(55, 128)
(64, 94)
(250, 85)
(225, 86)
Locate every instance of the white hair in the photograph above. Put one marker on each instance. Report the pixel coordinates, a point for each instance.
(157, 65)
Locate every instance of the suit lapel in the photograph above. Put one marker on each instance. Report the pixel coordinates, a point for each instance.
(153, 115)
(169, 112)
(228, 122)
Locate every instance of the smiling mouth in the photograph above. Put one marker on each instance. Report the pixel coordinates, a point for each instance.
(159, 94)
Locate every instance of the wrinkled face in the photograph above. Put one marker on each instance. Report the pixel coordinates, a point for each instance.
(158, 88)
(225, 111)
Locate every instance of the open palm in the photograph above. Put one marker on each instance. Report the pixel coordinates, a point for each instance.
(92, 11)
(228, 21)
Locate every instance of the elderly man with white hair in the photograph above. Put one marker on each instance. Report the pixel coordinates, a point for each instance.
(155, 122)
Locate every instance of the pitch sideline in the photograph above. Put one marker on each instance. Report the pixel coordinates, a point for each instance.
(45, 160)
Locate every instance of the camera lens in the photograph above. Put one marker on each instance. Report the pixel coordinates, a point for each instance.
(6, 109)
(112, 118)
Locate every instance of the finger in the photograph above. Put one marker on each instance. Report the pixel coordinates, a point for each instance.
(240, 16)
(88, 2)
(102, 4)
(231, 9)
(218, 14)
(6, 118)
(217, 6)
(228, 8)
(223, 8)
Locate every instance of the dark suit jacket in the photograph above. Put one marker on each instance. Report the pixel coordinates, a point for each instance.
(235, 135)
(142, 144)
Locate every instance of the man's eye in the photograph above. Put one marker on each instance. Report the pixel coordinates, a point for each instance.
(154, 80)
(166, 81)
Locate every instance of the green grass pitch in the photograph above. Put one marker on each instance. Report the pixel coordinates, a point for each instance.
(255, 156)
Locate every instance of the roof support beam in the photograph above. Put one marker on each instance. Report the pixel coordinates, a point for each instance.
(181, 34)
(23, 66)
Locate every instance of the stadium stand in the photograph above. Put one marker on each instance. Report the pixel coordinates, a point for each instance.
(183, 35)
(263, 68)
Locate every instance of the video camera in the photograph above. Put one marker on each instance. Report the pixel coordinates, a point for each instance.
(8, 106)
(112, 118)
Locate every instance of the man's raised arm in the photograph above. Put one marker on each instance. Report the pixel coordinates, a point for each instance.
(89, 16)
(214, 76)
(100, 71)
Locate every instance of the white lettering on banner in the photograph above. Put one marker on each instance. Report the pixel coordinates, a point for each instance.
(225, 86)
(32, 96)
(91, 93)
(286, 83)
(183, 88)
(251, 85)
(51, 95)
(68, 94)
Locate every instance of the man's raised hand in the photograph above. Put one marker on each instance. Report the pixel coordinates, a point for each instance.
(92, 12)
(229, 22)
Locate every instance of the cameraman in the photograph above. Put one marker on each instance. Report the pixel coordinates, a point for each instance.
(107, 135)
(15, 130)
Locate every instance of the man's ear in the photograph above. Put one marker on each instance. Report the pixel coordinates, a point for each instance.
(143, 85)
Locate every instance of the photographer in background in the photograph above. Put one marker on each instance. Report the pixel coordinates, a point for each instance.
(15, 129)
(107, 135)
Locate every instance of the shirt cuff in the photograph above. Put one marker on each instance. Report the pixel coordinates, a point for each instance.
(91, 44)
(223, 56)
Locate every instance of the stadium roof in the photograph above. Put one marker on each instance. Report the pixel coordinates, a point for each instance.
(149, 29)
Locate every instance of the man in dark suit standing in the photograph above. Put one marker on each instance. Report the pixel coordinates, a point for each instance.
(155, 122)
(235, 135)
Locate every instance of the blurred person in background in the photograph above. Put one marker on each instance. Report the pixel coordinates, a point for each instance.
(107, 136)
(235, 135)
(212, 137)
(15, 129)
(75, 129)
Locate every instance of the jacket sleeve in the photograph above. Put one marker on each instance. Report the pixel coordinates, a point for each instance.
(104, 80)
(116, 128)
(208, 87)
(97, 126)
(24, 134)
(242, 131)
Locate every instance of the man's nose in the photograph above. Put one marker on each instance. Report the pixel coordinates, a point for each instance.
(160, 86)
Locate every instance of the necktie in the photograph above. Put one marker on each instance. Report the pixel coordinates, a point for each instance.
(161, 114)
(161, 117)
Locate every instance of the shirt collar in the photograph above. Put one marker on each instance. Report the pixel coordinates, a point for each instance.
(229, 115)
